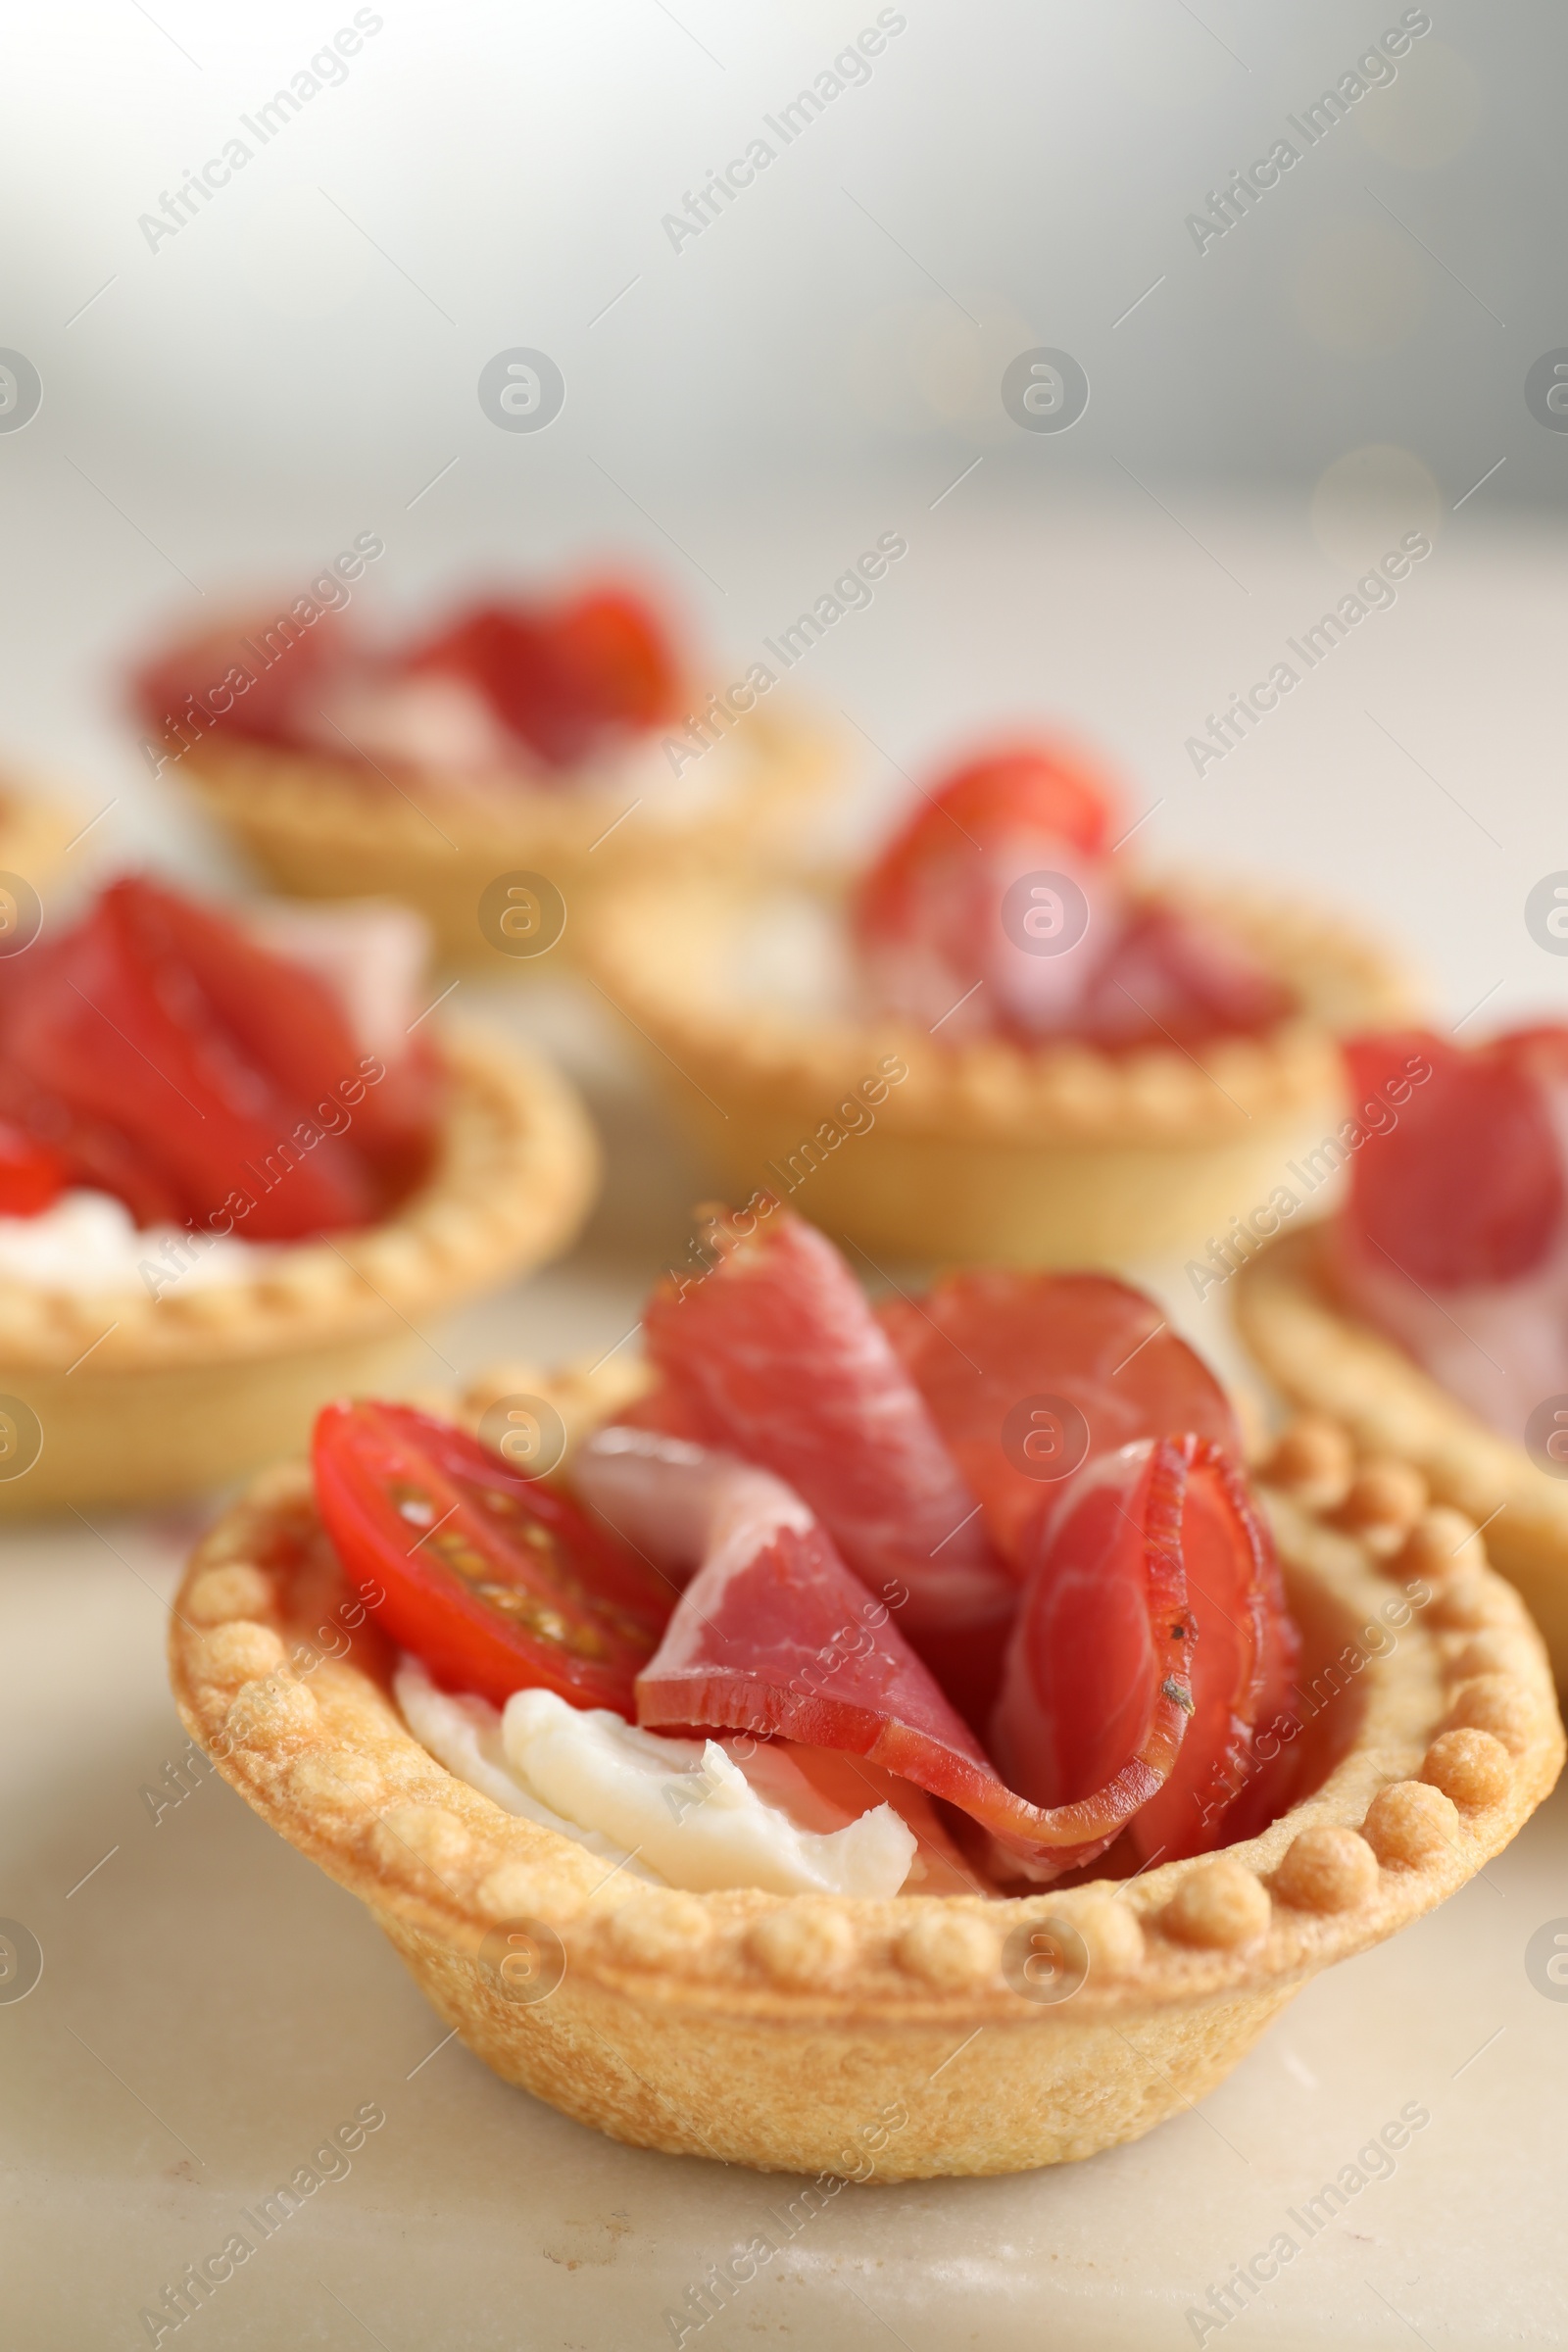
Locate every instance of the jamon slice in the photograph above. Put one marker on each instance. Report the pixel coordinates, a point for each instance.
(1053, 791)
(91, 1153)
(1468, 1186)
(255, 682)
(283, 1000)
(173, 1060)
(1454, 1240)
(928, 921)
(773, 1635)
(118, 1026)
(32, 1176)
(563, 679)
(776, 1357)
(1173, 979)
(1167, 1515)
(980, 1345)
(1246, 1662)
(998, 909)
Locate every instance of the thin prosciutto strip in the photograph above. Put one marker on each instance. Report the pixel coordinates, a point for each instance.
(1454, 1240)
(982, 1344)
(1075, 1696)
(945, 941)
(775, 1355)
(773, 1635)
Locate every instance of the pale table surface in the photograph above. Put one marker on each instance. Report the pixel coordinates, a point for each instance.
(212, 2006)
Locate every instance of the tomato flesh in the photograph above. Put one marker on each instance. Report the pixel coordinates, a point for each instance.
(1120, 1690)
(498, 1583)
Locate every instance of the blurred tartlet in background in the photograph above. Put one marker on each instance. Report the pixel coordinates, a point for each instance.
(1008, 1045)
(1430, 1315)
(495, 771)
(238, 1170)
(36, 829)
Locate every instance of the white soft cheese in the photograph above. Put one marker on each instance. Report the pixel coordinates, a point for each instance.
(445, 727)
(90, 1241)
(683, 1808)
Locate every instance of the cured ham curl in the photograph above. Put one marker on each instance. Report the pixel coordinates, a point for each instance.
(773, 1635)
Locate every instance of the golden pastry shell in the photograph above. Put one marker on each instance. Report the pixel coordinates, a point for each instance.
(1326, 1362)
(139, 1397)
(318, 828)
(660, 952)
(774, 2031)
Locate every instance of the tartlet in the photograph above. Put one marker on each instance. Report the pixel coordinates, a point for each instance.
(35, 832)
(859, 2037)
(140, 1399)
(1058, 1153)
(1325, 1361)
(569, 743)
(316, 831)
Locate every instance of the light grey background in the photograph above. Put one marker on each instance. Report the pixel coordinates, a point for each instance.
(824, 363)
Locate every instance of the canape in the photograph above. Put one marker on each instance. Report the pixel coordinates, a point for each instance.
(663, 1771)
(1431, 1315)
(241, 1169)
(495, 773)
(1009, 1047)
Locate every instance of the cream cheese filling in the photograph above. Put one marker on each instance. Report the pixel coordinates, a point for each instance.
(89, 1242)
(682, 1812)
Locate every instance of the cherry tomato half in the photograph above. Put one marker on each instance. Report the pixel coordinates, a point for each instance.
(495, 1581)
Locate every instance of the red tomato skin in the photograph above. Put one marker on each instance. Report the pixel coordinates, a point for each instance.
(613, 643)
(938, 943)
(359, 1449)
(1050, 788)
(564, 675)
